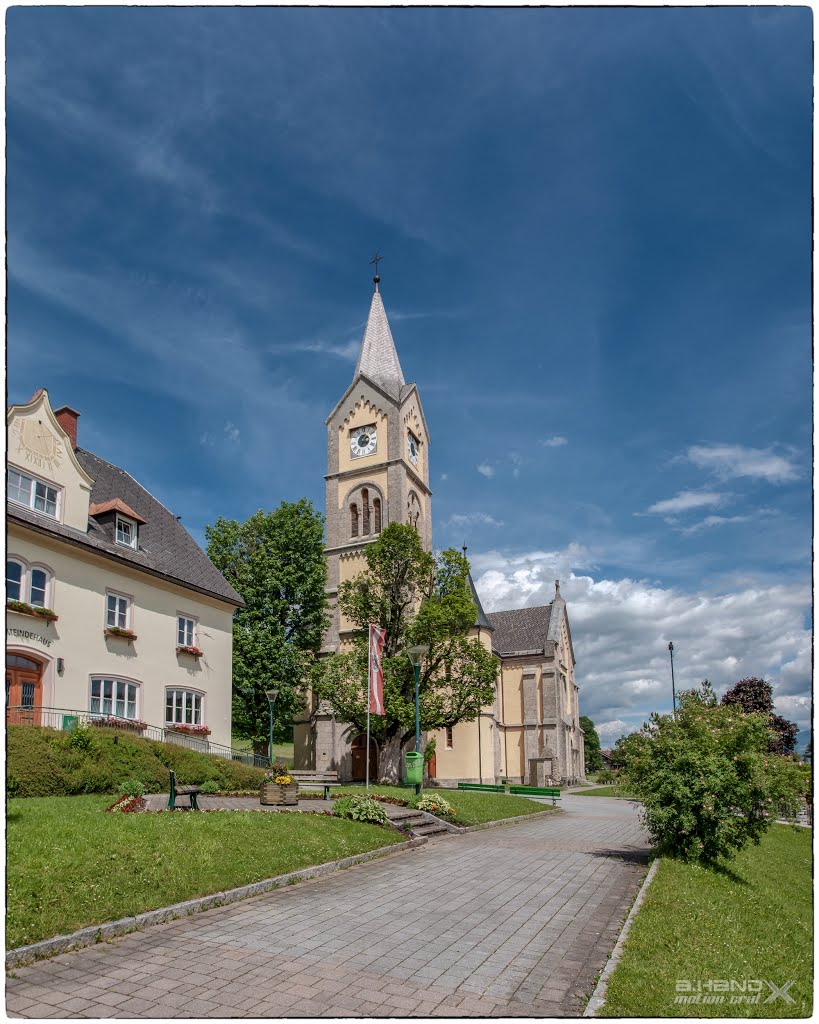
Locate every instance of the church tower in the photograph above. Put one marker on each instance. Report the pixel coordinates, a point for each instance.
(377, 462)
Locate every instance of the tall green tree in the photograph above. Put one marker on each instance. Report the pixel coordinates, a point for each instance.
(755, 696)
(417, 599)
(275, 560)
(591, 742)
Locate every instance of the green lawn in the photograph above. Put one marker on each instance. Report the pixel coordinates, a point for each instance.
(751, 921)
(69, 864)
(471, 808)
(282, 752)
(601, 791)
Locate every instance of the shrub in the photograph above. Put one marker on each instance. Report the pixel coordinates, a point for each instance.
(81, 738)
(434, 805)
(12, 785)
(706, 780)
(131, 787)
(606, 775)
(360, 808)
(210, 786)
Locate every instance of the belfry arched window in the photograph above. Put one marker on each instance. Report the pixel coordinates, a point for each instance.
(413, 509)
(377, 515)
(365, 511)
(353, 520)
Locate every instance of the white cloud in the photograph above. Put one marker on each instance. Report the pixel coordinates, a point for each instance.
(727, 461)
(347, 350)
(687, 500)
(206, 440)
(472, 519)
(621, 629)
(486, 470)
(610, 732)
(232, 433)
(554, 442)
(444, 476)
(709, 521)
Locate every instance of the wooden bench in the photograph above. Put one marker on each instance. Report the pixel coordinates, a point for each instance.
(313, 779)
(551, 791)
(488, 788)
(191, 792)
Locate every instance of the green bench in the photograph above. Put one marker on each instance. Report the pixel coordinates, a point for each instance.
(551, 791)
(191, 792)
(483, 788)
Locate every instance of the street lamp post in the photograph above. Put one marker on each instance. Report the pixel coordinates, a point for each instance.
(673, 692)
(415, 656)
(271, 700)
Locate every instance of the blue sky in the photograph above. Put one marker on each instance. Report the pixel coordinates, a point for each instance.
(596, 226)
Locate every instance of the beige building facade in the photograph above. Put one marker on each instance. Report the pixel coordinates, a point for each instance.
(378, 473)
(112, 609)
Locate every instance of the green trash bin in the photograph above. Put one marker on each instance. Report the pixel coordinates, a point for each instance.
(414, 769)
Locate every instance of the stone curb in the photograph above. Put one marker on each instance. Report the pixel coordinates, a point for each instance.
(97, 933)
(598, 997)
(500, 821)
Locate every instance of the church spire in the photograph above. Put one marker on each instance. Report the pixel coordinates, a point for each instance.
(378, 360)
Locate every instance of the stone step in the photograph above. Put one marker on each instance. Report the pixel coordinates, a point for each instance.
(429, 828)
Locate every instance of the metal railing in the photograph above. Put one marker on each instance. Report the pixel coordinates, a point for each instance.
(67, 719)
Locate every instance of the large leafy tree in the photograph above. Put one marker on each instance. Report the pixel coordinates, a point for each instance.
(275, 560)
(706, 779)
(418, 599)
(591, 741)
(755, 696)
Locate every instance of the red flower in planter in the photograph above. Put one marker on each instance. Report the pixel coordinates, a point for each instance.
(125, 634)
(191, 730)
(193, 651)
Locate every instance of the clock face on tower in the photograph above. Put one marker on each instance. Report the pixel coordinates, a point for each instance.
(412, 448)
(363, 441)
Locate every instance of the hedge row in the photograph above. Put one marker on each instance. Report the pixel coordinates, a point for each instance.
(47, 762)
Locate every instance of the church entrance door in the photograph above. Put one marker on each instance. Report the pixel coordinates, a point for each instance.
(359, 767)
(24, 690)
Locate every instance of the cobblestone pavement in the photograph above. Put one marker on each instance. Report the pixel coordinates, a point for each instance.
(511, 921)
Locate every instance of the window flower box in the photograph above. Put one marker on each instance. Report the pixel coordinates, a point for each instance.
(187, 730)
(113, 722)
(193, 651)
(118, 631)
(30, 609)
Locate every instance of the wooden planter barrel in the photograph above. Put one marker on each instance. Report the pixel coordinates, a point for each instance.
(273, 793)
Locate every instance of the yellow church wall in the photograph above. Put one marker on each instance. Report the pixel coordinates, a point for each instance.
(512, 705)
(349, 567)
(377, 477)
(364, 415)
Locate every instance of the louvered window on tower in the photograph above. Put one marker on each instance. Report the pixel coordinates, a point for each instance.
(377, 514)
(365, 510)
(353, 520)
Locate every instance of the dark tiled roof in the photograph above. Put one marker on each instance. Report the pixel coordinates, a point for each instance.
(480, 619)
(166, 548)
(521, 629)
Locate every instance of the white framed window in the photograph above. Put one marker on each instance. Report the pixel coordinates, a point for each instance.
(15, 573)
(183, 707)
(126, 532)
(448, 740)
(28, 583)
(113, 697)
(33, 493)
(185, 631)
(118, 611)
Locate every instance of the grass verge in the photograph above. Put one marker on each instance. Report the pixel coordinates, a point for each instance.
(752, 920)
(70, 865)
(471, 808)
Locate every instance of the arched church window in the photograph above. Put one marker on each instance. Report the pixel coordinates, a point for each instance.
(377, 515)
(413, 510)
(365, 510)
(353, 520)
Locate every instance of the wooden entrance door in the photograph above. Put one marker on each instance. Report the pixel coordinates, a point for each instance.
(359, 767)
(24, 690)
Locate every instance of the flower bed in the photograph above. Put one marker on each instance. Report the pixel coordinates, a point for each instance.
(127, 805)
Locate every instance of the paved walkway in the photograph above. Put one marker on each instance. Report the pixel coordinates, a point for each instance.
(511, 921)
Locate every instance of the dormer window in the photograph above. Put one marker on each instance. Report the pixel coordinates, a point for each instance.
(34, 494)
(126, 532)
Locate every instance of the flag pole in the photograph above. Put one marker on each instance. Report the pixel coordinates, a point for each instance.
(367, 754)
(369, 700)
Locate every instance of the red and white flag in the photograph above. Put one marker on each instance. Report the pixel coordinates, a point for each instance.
(376, 672)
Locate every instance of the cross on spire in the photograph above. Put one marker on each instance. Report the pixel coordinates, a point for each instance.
(374, 262)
